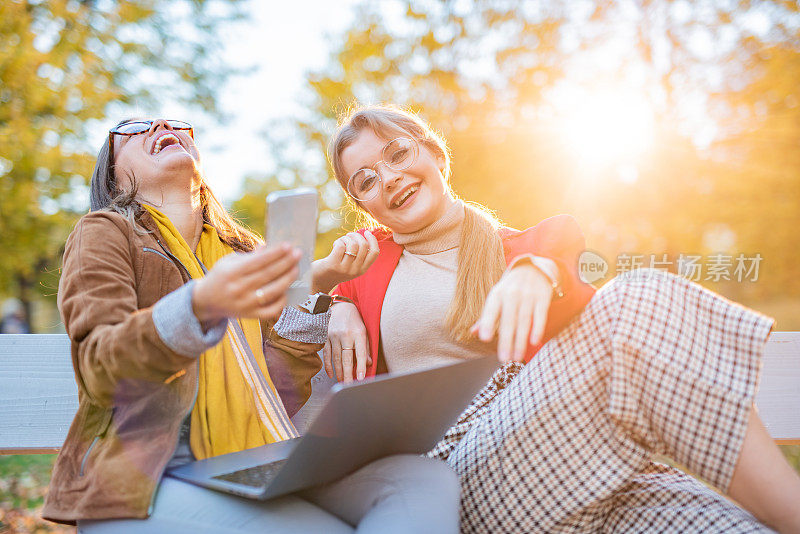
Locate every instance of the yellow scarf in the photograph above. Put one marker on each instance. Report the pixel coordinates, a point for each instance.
(233, 410)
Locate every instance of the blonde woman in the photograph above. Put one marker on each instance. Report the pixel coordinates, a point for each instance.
(173, 310)
(651, 363)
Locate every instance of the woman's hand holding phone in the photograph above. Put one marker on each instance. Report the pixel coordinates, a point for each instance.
(351, 256)
(246, 284)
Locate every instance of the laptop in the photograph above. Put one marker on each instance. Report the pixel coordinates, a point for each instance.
(361, 422)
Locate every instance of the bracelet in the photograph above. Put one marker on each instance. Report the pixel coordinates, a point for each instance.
(558, 291)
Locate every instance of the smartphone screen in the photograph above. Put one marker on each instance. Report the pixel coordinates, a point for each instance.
(292, 218)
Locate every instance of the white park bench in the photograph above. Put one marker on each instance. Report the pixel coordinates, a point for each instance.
(39, 397)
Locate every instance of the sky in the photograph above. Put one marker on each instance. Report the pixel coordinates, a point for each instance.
(284, 40)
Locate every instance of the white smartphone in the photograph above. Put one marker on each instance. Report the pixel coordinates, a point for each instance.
(292, 218)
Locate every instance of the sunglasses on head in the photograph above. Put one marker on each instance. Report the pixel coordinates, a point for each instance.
(137, 127)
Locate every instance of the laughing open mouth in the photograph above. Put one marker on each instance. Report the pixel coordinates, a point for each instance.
(164, 141)
(405, 196)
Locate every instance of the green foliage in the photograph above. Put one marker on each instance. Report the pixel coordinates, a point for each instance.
(24, 478)
(65, 65)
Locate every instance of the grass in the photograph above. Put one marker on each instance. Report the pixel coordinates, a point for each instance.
(23, 485)
(792, 453)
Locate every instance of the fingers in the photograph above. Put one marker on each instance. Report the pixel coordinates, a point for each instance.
(355, 353)
(248, 284)
(271, 311)
(539, 320)
(357, 247)
(524, 318)
(373, 249)
(273, 293)
(348, 342)
(338, 250)
(336, 358)
(351, 246)
(350, 257)
(344, 254)
(326, 358)
(269, 272)
(516, 311)
(362, 356)
(265, 257)
(360, 251)
(348, 353)
(487, 324)
(506, 325)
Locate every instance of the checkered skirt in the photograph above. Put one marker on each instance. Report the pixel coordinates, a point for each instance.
(654, 364)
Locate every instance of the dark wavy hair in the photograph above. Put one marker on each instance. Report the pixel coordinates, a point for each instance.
(105, 194)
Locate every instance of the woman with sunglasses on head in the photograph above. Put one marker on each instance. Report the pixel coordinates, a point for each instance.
(593, 385)
(171, 308)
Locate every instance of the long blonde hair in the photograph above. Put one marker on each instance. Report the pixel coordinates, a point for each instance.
(481, 260)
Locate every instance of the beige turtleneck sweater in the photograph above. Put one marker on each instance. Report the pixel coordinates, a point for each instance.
(418, 297)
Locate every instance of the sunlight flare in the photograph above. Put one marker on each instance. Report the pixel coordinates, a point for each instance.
(607, 127)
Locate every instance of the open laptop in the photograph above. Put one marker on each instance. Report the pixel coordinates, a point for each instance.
(360, 422)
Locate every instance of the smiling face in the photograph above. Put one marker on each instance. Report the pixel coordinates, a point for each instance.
(408, 200)
(157, 157)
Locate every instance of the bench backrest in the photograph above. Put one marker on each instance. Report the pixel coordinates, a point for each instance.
(38, 395)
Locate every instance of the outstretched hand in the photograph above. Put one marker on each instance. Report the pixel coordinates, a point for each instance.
(246, 284)
(516, 312)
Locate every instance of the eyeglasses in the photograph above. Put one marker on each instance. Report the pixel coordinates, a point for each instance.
(137, 127)
(398, 155)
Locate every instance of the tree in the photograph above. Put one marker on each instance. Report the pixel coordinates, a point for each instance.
(499, 79)
(64, 65)
(760, 198)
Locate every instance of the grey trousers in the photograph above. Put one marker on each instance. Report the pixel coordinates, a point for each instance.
(402, 493)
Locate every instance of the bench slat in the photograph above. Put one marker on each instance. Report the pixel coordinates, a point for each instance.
(778, 396)
(38, 395)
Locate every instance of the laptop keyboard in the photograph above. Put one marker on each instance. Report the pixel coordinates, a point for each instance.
(257, 477)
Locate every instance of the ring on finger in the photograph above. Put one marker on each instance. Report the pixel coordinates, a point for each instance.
(348, 348)
(261, 296)
(350, 254)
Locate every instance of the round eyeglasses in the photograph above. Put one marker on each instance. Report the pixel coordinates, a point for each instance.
(398, 154)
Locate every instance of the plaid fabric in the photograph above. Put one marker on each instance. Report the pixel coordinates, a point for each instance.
(654, 364)
(663, 499)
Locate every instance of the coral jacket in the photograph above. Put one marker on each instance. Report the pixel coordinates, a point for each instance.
(558, 238)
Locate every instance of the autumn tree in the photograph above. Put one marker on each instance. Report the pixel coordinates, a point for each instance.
(501, 80)
(64, 65)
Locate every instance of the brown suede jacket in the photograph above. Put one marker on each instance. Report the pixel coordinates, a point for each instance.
(134, 390)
